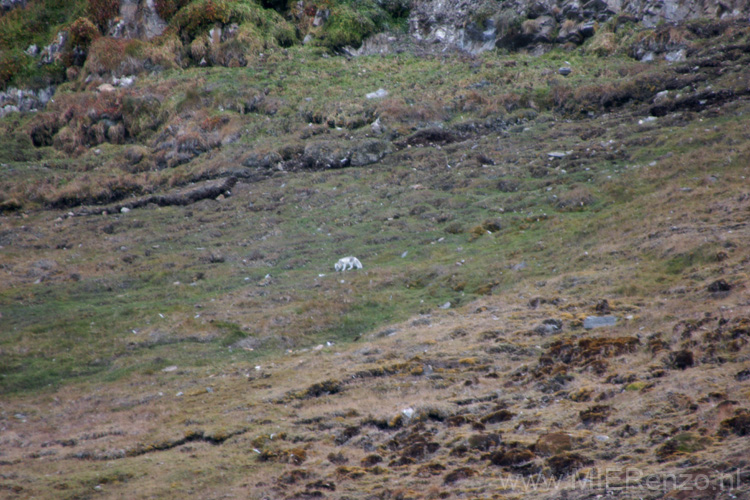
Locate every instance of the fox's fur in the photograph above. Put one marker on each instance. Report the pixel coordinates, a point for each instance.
(348, 263)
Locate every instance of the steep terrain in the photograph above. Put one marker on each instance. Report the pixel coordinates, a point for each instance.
(554, 300)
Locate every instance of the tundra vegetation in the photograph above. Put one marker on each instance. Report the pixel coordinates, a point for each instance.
(171, 325)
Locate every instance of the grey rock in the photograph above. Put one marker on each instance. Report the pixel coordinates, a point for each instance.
(565, 70)
(321, 16)
(339, 154)
(598, 321)
(544, 27)
(549, 327)
(17, 100)
(377, 127)
(369, 151)
(8, 109)
(558, 154)
(138, 19)
(660, 97)
(32, 50)
(587, 29)
(125, 81)
(53, 51)
(520, 266)
(7, 5)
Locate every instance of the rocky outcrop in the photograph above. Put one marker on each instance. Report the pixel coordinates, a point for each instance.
(478, 25)
(138, 19)
(17, 100)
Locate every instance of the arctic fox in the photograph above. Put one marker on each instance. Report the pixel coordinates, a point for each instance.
(348, 263)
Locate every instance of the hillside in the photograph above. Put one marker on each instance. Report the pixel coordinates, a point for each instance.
(551, 211)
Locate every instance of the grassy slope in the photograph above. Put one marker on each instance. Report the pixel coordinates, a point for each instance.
(95, 307)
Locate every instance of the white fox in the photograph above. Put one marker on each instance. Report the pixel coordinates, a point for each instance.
(348, 263)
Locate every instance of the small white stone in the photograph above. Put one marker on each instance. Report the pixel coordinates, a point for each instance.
(378, 94)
